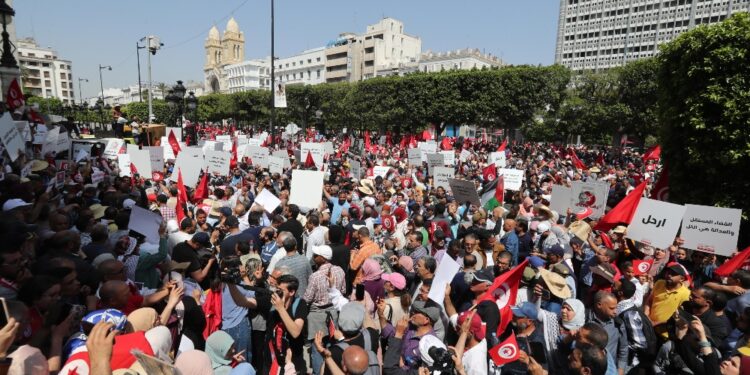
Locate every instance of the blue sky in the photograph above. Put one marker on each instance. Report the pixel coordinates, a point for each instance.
(92, 32)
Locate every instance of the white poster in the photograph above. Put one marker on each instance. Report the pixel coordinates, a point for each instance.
(465, 154)
(63, 142)
(123, 164)
(113, 148)
(275, 165)
(167, 148)
(307, 188)
(415, 157)
(328, 148)
(441, 176)
(241, 139)
(279, 95)
(156, 154)
(356, 169)
(218, 162)
(267, 200)
(146, 223)
(25, 130)
(464, 191)
(141, 159)
(434, 160)
(513, 178)
(259, 155)
(50, 143)
(317, 150)
(254, 142)
(711, 229)
(591, 194)
(560, 201)
(449, 157)
(446, 271)
(41, 134)
(498, 158)
(190, 162)
(427, 148)
(226, 142)
(381, 171)
(11, 137)
(655, 223)
(284, 155)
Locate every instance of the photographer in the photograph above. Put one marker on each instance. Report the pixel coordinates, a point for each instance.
(235, 304)
(434, 357)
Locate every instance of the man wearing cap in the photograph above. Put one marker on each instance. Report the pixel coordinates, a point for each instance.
(188, 252)
(422, 317)
(18, 208)
(351, 332)
(528, 330)
(667, 295)
(317, 297)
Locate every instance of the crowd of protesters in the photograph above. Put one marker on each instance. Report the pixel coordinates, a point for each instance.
(343, 288)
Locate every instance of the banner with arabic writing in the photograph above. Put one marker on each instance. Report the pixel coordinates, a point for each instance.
(655, 223)
(711, 229)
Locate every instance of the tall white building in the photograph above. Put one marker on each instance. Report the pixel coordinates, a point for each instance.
(462, 59)
(601, 34)
(306, 68)
(248, 75)
(43, 73)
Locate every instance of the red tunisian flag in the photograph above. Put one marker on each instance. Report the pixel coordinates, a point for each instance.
(201, 192)
(576, 161)
(233, 160)
(309, 162)
(446, 144)
(739, 261)
(173, 142)
(426, 135)
(489, 172)
(503, 146)
(661, 188)
(14, 98)
(624, 211)
(653, 153)
(641, 267)
(503, 291)
(506, 351)
(182, 198)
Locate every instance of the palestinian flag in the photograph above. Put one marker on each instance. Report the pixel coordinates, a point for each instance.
(492, 193)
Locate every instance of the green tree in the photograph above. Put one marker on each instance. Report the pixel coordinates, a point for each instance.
(704, 109)
(638, 92)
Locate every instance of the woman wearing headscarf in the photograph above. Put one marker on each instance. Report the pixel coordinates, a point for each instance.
(572, 318)
(221, 351)
(371, 279)
(143, 319)
(194, 362)
(160, 340)
(193, 324)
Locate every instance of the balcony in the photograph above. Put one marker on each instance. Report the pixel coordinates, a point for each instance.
(336, 74)
(337, 62)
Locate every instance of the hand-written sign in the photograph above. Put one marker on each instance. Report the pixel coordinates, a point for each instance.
(317, 150)
(560, 201)
(449, 157)
(711, 229)
(589, 194)
(441, 176)
(275, 165)
(259, 155)
(415, 157)
(465, 154)
(655, 223)
(464, 191)
(435, 160)
(427, 148)
(11, 137)
(156, 154)
(498, 158)
(513, 178)
(218, 162)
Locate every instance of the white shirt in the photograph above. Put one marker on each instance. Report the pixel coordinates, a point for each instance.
(175, 238)
(475, 359)
(280, 253)
(316, 238)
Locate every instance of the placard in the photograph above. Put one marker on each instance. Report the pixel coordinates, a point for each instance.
(440, 177)
(50, 143)
(156, 155)
(415, 157)
(218, 162)
(446, 271)
(40, 134)
(498, 158)
(449, 157)
(123, 164)
(356, 169)
(258, 155)
(316, 149)
(560, 200)
(427, 148)
(113, 148)
(328, 148)
(254, 142)
(284, 155)
(267, 200)
(711, 229)
(306, 188)
(513, 178)
(97, 176)
(63, 142)
(275, 165)
(464, 191)
(434, 160)
(655, 223)
(11, 137)
(226, 142)
(381, 171)
(241, 139)
(190, 162)
(465, 154)
(25, 130)
(146, 223)
(142, 161)
(591, 194)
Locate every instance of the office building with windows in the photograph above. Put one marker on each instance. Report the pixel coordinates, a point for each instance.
(43, 73)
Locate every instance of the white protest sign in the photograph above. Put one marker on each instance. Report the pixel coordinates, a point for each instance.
(513, 178)
(25, 130)
(356, 169)
(259, 155)
(167, 148)
(267, 200)
(50, 143)
(156, 156)
(380, 171)
(434, 160)
(123, 164)
(415, 157)
(146, 223)
(446, 271)
(81, 155)
(218, 162)
(465, 154)
(63, 142)
(130, 147)
(440, 177)
(498, 158)
(464, 191)
(241, 139)
(226, 141)
(142, 161)
(11, 137)
(710, 229)
(212, 146)
(190, 162)
(41, 134)
(591, 194)
(449, 157)
(317, 150)
(427, 148)
(26, 170)
(307, 188)
(177, 133)
(275, 165)
(328, 147)
(254, 142)
(113, 148)
(283, 155)
(560, 200)
(655, 223)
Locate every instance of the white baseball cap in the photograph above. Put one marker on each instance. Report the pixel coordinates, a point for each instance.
(12, 204)
(324, 250)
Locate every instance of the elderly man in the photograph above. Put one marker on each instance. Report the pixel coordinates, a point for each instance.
(510, 239)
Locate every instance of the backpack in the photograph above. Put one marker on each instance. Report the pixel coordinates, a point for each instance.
(373, 364)
(647, 329)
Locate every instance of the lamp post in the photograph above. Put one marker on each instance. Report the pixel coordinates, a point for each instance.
(101, 85)
(80, 92)
(153, 45)
(138, 49)
(191, 103)
(273, 72)
(99, 106)
(8, 65)
(179, 92)
(171, 100)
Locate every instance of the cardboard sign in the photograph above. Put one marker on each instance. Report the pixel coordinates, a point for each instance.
(123, 164)
(218, 162)
(465, 155)
(11, 137)
(241, 139)
(381, 171)
(142, 161)
(50, 143)
(25, 130)
(415, 157)
(146, 223)
(267, 200)
(40, 136)
(446, 271)
(427, 148)
(464, 191)
(655, 223)
(317, 150)
(449, 157)
(190, 162)
(113, 148)
(167, 148)
(212, 146)
(441, 176)
(283, 155)
(498, 158)
(560, 200)
(63, 142)
(328, 148)
(710, 229)
(356, 169)
(254, 142)
(434, 160)
(591, 194)
(275, 165)
(156, 155)
(259, 155)
(513, 178)
(306, 188)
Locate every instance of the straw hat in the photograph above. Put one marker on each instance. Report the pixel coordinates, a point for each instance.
(38, 165)
(580, 229)
(555, 283)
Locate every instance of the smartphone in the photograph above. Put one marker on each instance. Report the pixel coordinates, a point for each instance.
(3, 314)
(545, 294)
(359, 293)
(536, 351)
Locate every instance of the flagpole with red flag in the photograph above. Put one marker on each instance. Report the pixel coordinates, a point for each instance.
(506, 351)
(172, 139)
(503, 146)
(624, 211)
(181, 198)
(736, 262)
(201, 192)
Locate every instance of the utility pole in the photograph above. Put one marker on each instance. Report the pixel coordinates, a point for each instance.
(138, 49)
(273, 72)
(153, 45)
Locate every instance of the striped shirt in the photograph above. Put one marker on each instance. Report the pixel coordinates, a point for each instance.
(299, 266)
(316, 293)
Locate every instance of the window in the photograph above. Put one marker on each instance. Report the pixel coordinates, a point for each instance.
(47, 83)
(318, 73)
(309, 61)
(318, 59)
(46, 74)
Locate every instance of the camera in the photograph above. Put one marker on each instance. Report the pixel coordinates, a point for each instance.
(443, 362)
(230, 270)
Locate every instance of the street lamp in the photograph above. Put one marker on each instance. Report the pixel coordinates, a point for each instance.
(80, 92)
(179, 92)
(98, 108)
(138, 49)
(191, 103)
(7, 59)
(172, 101)
(101, 85)
(153, 45)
